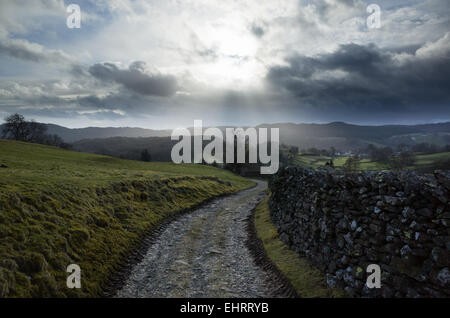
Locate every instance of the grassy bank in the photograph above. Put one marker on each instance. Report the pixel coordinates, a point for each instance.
(61, 207)
(307, 280)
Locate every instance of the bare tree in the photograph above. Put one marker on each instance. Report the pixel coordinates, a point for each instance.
(16, 127)
(36, 132)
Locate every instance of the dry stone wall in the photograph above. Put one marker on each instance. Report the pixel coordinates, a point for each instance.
(342, 223)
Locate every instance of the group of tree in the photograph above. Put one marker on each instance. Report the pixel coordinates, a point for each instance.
(422, 148)
(427, 148)
(145, 156)
(403, 158)
(293, 151)
(319, 152)
(16, 127)
(352, 164)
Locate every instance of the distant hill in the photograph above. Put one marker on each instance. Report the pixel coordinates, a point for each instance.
(75, 134)
(339, 129)
(72, 135)
(340, 135)
(346, 136)
(128, 148)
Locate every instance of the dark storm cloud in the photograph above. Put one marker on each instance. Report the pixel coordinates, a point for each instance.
(136, 79)
(119, 100)
(368, 79)
(124, 101)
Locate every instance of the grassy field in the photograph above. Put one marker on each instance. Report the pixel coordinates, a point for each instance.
(319, 161)
(427, 160)
(422, 161)
(307, 280)
(61, 207)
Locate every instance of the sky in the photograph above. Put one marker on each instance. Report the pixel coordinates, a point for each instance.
(165, 63)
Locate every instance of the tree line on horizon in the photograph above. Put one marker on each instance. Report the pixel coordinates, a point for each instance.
(16, 127)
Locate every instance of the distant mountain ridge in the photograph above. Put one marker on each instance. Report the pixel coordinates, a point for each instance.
(337, 134)
(76, 134)
(345, 136)
(341, 129)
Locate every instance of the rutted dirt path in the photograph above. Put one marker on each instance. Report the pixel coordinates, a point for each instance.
(203, 254)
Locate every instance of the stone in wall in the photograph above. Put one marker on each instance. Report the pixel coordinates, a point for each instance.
(342, 223)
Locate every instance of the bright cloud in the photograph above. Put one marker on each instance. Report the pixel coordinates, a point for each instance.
(243, 62)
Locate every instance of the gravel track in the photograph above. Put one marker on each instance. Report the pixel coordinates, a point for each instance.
(203, 254)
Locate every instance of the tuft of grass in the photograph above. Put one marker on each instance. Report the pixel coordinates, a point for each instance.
(61, 207)
(307, 280)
